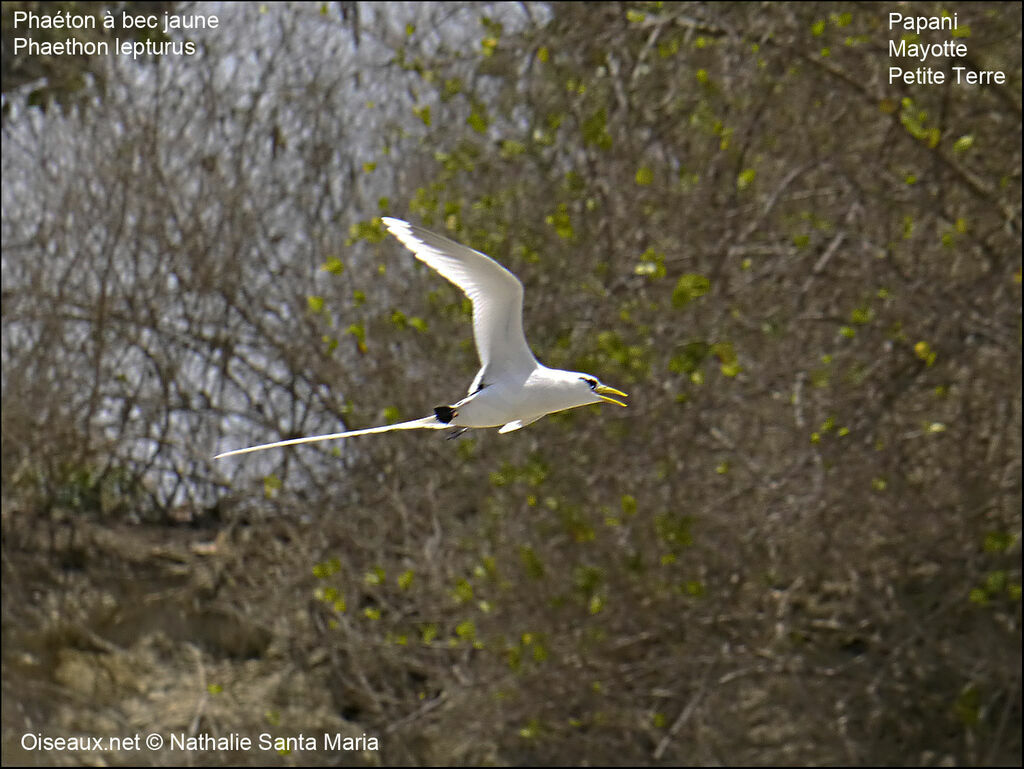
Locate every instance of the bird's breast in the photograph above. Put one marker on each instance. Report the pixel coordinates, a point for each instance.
(504, 402)
(496, 405)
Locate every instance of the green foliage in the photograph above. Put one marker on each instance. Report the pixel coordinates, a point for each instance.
(333, 265)
(595, 130)
(689, 287)
(271, 486)
(861, 315)
(730, 365)
(629, 506)
(963, 144)
(651, 264)
(561, 222)
(915, 121)
(998, 541)
(478, 121)
(613, 349)
(358, 331)
(423, 113)
(326, 569)
(463, 591)
(371, 231)
(674, 531)
(690, 358)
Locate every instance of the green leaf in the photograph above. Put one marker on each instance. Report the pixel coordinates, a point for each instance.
(463, 591)
(423, 113)
(271, 484)
(963, 144)
(673, 529)
(995, 582)
(628, 504)
(478, 121)
(998, 542)
(511, 148)
(690, 358)
(452, 87)
(372, 231)
(689, 287)
(466, 630)
(333, 265)
(730, 364)
(861, 315)
(561, 222)
(595, 130)
(651, 264)
(326, 569)
(359, 332)
(531, 563)
(315, 303)
(978, 596)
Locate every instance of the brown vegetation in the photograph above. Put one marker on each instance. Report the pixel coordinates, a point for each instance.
(800, 544)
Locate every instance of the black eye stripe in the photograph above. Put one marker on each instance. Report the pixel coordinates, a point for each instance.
(591, 382)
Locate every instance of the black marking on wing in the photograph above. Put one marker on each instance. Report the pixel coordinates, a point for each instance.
(444, 414)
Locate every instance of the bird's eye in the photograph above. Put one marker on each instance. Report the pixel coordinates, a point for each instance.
(591, 382)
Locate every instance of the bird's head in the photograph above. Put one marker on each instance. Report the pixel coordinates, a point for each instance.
(592, 391)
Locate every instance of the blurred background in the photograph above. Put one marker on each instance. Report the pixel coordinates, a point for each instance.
(800, 544)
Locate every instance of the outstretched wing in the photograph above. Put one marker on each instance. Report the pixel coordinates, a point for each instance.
(496, 293)
(427, 423)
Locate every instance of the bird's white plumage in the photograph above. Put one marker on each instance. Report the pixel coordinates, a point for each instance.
(511, 390)
(497, 297)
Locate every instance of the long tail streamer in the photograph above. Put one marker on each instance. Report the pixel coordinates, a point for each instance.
(427, 423)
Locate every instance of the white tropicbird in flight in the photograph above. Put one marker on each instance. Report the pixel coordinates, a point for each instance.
(512, 389)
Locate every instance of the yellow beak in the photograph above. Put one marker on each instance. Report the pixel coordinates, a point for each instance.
(604, 391)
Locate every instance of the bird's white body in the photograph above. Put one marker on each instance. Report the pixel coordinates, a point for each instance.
(543, 391)
(512, 389)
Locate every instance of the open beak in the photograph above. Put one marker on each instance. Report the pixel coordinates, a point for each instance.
(604, 391)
